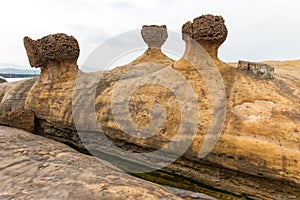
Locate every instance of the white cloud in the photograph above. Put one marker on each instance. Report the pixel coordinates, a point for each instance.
(258, 30)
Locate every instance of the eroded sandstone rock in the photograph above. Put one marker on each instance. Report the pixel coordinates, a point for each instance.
(14, 94)
(258, 110)
(208, 30)
(33, 167)
(12, 105)
(51, 49)
(56, 55)
(22, 119)
(154, 35)
(152, 61)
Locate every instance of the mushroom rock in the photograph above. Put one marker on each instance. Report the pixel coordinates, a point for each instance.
(54, 54)
(200, 66)
(154, 35)
(258, 137)
(203, 37)
(152, 61)
(207, 30)
(50, 98)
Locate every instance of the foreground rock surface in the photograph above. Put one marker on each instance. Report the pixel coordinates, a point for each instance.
(33, 167)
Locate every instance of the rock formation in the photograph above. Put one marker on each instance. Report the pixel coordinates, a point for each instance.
(230, 154)
(2, 80)
(12, 105)
(23, 119)
(57, 56)
(208, 30)
(257, 154)
(152, 61)
(260, 103)
(33, 167)
(14, 94)
(154, 35)
(51, 50)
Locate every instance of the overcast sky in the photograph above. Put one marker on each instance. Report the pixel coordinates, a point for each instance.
(258, 29)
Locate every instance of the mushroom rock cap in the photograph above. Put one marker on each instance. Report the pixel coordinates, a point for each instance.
(51, 49)
(154, 35)
(208, 30)
(187, 30)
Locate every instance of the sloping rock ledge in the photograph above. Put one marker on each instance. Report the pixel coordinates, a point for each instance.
(51, 170)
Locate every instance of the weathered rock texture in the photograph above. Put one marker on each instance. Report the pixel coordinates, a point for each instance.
(51, 49)
(208, 30)
(19, 119)
(56, 55)
(14, 94)
(257, 154)
(12, 105)
(33, 167)
(154, 35)
(150, 62)
(253, 121)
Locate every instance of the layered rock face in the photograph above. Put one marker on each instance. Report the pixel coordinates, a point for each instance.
(13, 95)
(257, 153)
(12, 105)
(23, 119)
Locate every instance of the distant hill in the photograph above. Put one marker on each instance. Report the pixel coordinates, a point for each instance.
(19, 71)
(10, 68)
